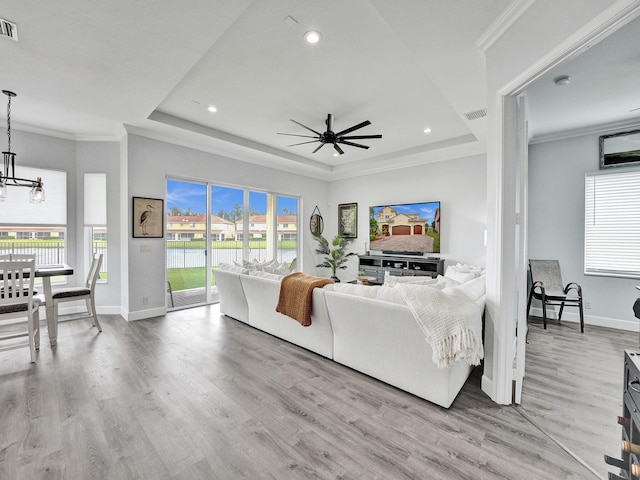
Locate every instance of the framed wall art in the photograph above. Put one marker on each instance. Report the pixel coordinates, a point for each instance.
(620, 149)
(148, 217)
(348, 220)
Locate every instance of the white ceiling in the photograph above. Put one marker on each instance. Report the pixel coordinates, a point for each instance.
(83, 69)
(602, 93)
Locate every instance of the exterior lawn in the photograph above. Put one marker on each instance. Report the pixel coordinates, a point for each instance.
(186, 278)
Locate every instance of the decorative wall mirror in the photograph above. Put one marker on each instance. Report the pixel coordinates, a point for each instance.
(316, 223)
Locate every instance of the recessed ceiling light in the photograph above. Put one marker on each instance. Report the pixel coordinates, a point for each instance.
(212, 109)
(336, 154)
(427, 130)
(312, 37)
(562, 80)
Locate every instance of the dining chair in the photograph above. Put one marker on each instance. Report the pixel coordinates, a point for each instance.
(23, 256)
(18, 256)
(86, 293)
(18, 301)
(547, 286)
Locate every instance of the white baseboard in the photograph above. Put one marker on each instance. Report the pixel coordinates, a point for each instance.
(574, 317)
(486, 385)
(71, 309)
(108, 310)
(142, 314)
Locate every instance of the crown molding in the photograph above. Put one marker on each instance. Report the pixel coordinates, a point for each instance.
(24, 127)
(506, 19)
(97, 138)
(49, 132)
(603, 129)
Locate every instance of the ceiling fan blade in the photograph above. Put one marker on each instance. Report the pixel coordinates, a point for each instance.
(360, 137)
(355, 127)
(353, 144)
(296, 135)
(302, 143)
(319, 147)
(304, 126)
(338, 149)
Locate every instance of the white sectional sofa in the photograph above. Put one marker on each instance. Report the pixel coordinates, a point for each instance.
(262, 298)
(368, 328)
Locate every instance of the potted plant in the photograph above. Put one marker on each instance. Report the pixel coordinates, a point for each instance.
(335, 255)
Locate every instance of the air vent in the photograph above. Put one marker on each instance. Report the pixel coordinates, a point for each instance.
(477, 114)
(8, 29)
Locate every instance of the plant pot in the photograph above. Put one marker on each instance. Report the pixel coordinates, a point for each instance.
(335, 279)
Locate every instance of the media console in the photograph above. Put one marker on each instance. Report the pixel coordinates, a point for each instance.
(376, 265)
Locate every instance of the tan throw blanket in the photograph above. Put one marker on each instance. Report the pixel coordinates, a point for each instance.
(296, 291)
(450, 321)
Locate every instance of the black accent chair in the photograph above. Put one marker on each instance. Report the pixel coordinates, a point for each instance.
(547, 286)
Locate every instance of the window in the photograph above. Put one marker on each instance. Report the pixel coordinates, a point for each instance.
(95, 219)
(287, 211)
(36, 228)
(612, 224)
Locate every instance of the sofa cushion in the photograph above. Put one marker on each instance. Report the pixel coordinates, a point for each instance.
(233, 268)
(392, 280)
(464, 267)
(262, 274)
(390, 294)
(446, 282)
(354, 289)
(459, 276)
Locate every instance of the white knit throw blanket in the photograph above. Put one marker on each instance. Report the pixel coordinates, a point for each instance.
(451, 322)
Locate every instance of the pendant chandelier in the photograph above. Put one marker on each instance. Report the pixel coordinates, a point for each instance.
(8, 175)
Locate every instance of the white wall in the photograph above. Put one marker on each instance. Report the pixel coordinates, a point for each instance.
(150, 161)
(458, 184)
(556, 228)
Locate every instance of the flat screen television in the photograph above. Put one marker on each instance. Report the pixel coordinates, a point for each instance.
(405, 228)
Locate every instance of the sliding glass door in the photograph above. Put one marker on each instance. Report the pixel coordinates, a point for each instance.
(186, 244)
(209, 225)
(227, 207)
(287, 230)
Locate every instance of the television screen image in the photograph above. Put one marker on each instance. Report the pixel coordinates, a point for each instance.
(405, 227)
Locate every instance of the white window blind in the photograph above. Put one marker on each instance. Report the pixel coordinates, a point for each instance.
(612, 224)
(95, 199)
(53, 211)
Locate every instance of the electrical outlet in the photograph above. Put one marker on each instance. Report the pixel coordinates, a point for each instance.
(145, 300)
(587, 305)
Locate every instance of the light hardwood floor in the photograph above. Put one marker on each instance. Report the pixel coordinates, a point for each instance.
(193, 395)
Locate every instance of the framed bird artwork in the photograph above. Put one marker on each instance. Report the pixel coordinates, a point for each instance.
(148, 217)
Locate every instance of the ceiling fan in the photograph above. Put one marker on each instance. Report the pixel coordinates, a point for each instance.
(333, 138)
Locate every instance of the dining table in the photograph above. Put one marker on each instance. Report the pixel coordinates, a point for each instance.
(46, 272)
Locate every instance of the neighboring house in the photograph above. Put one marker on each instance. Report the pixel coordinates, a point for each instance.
(194, 227)
(31, 233)
(286, 228)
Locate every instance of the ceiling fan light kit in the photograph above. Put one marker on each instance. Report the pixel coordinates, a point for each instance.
(333, 138)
